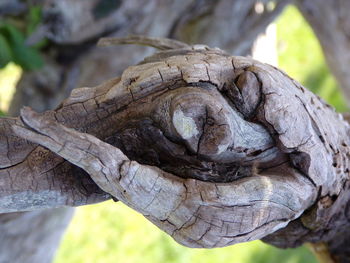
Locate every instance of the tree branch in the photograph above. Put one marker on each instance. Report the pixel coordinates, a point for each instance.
(156, 42)
(211, 148)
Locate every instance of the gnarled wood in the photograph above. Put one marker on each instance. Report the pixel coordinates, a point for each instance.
(71, 59)
(73, 27)
(211, 148)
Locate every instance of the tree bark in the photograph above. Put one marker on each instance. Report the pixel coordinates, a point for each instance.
(17, 235)
(331, 24)
(327, 219)
(224, 149)
(73, 61)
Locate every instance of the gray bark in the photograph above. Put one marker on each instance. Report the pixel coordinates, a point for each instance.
(331, 24)
(32, 236)
(196, 114)
(73, 61)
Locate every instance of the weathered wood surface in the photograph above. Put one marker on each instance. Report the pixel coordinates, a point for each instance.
(213, 149)
(72, 60)
(73, 27)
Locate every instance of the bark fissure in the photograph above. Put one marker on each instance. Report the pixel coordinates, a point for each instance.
(72, 60)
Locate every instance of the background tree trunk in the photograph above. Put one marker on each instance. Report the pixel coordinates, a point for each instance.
(72, 60)
(32, 236)
(331, 23)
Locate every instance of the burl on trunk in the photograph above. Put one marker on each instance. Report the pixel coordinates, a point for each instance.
(213, 149)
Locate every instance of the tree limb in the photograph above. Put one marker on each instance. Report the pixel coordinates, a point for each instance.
(156, 42)
(211, 148)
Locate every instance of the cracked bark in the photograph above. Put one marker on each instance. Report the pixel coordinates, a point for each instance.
(211, 148)
(73, 27)
(71, 60)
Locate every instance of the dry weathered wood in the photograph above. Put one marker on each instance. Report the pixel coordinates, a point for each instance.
(211, 148)
(71, 59)
(30, 172)
(156, 42)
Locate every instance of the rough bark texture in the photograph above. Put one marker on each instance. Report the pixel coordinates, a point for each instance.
(331, 23)
(73, 61)
(326, 220)
(23, 162)
(211, 148)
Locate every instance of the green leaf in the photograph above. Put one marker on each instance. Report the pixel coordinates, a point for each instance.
(28, 58)
(5, 52)
(34, 18)
(12, 34)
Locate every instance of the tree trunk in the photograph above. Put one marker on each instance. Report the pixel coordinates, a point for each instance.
(72, 61)
(32, 236)
(213, 149)
(331, 23)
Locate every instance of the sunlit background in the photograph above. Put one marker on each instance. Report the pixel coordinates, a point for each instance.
(111, 232)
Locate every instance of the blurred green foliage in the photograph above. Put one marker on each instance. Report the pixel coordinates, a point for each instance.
(13, 46)
(34, 18)
(112, 232)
